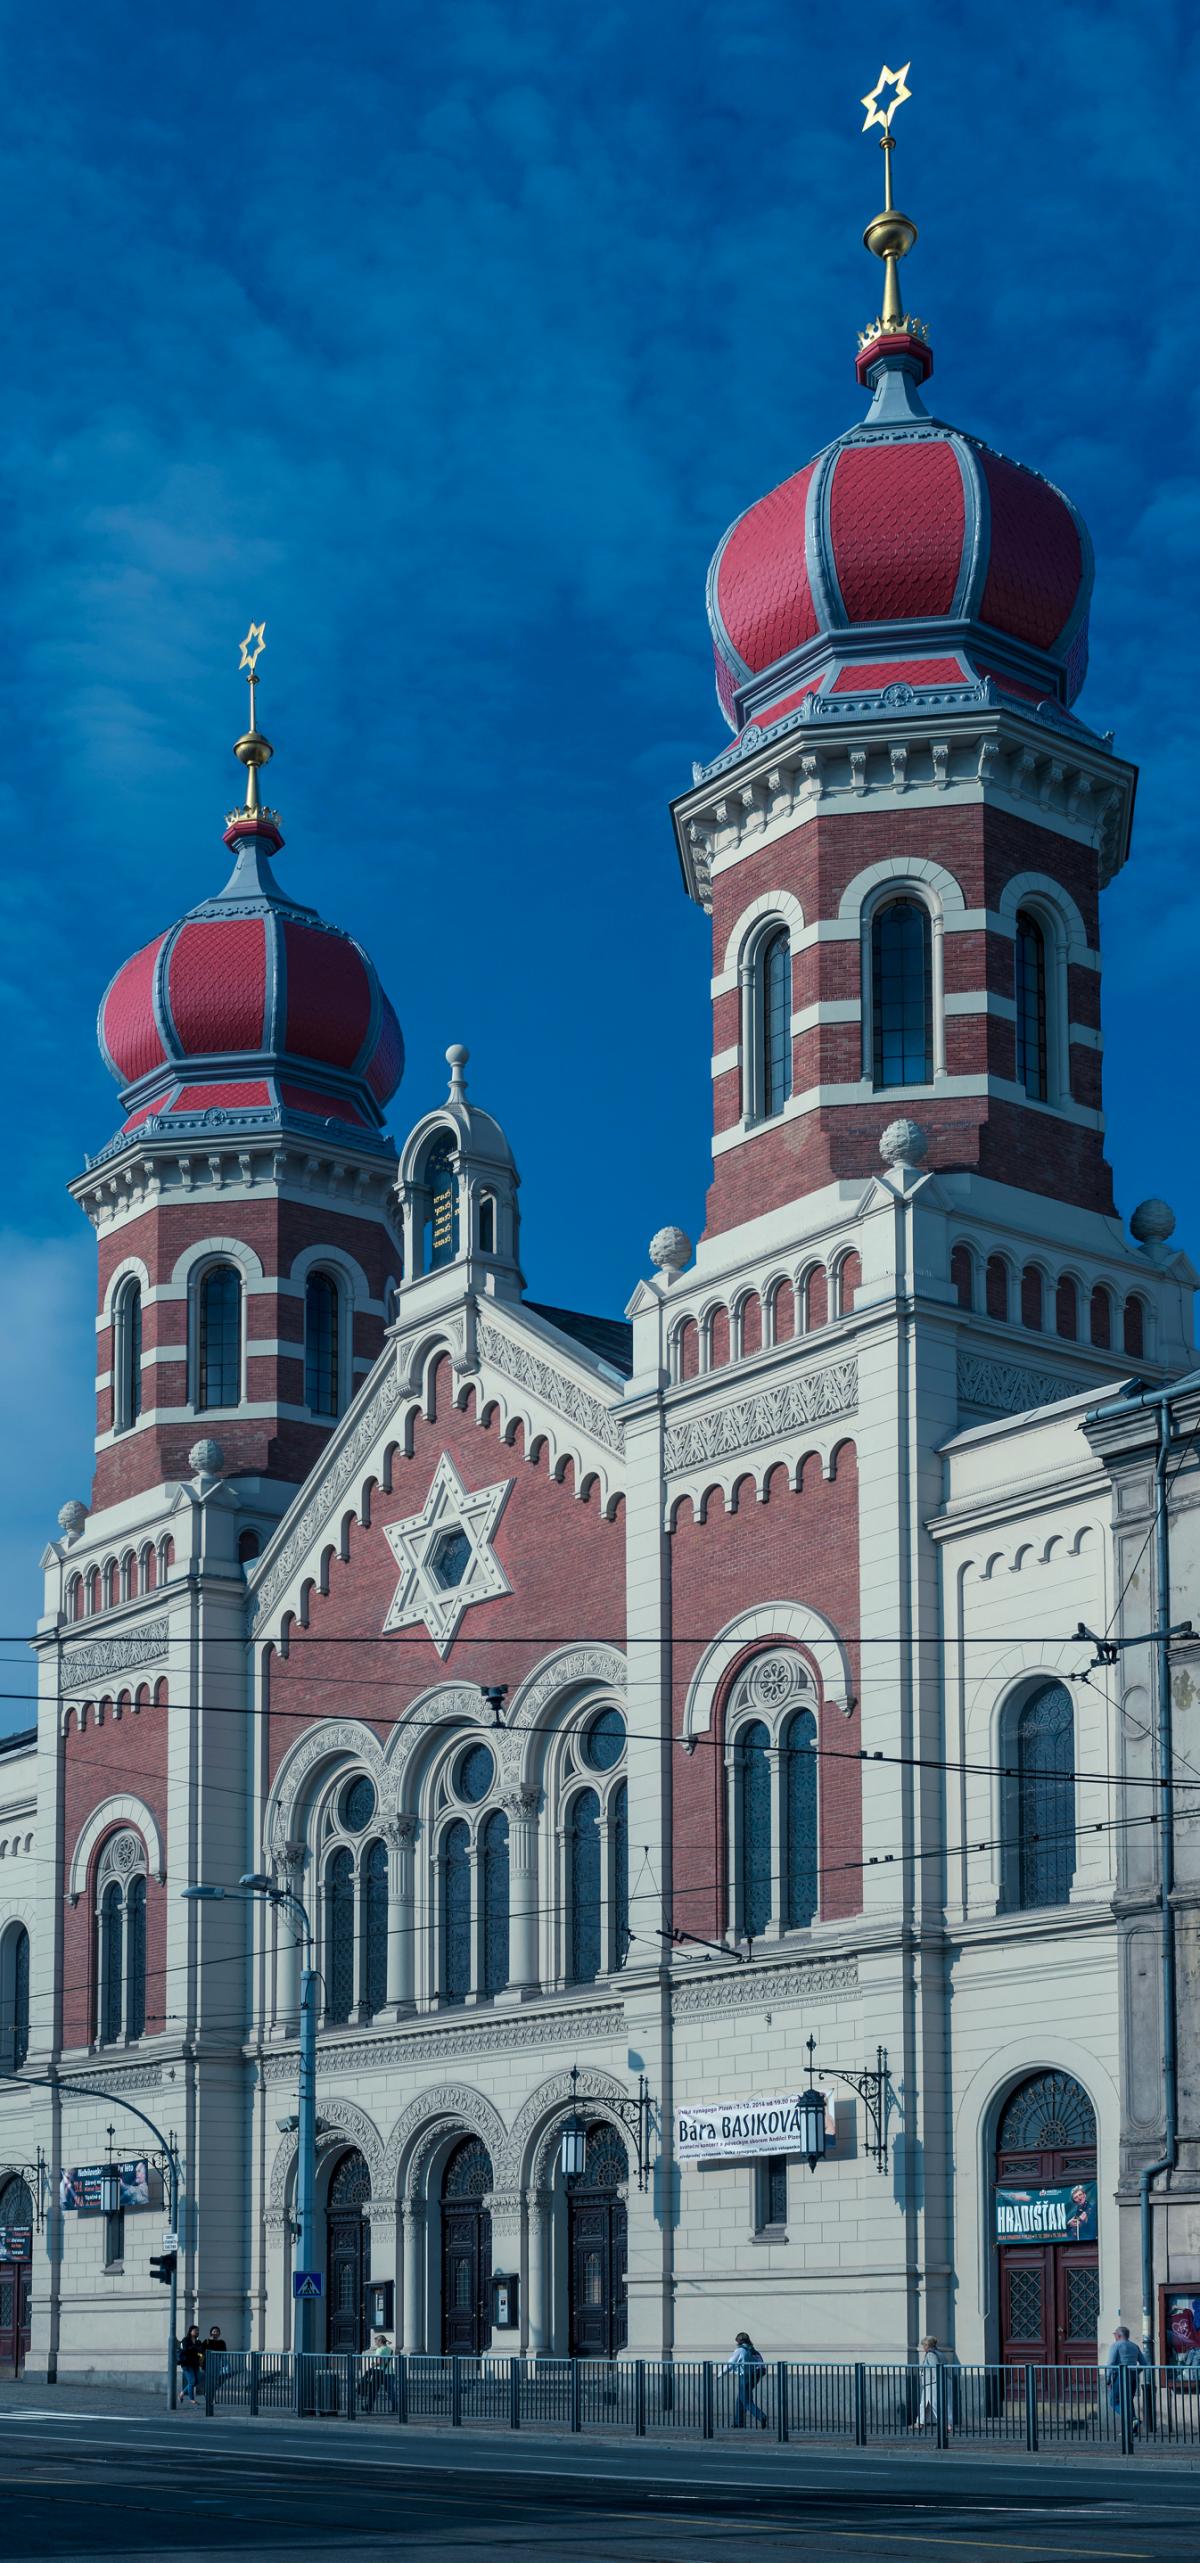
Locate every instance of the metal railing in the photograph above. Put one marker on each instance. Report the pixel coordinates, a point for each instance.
(857, 2403)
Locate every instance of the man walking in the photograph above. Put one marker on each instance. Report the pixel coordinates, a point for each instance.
(932, 2386)
(1123, 2353)
(750, 2366)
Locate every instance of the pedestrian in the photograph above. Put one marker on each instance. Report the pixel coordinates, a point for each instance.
(190, 2360)
(932, 2386)
(1124, 2352)
(214, 2340)
(379, 2378)
(750, 2366)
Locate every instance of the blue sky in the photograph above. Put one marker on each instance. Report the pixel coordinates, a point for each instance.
(449, 342)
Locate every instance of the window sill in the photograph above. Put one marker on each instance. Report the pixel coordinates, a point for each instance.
(770, 2234)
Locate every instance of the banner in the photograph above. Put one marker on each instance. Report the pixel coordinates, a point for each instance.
(16, 2242)
(723, 2130)
(1063, 2214)
(80, 2186)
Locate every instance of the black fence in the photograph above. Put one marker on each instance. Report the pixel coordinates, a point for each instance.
(1030, 2407)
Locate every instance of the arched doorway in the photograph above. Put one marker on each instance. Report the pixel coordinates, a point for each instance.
(466, 2250)
(1045, 2224)
(16, 2273)
(598, 2247)
(348, 2253)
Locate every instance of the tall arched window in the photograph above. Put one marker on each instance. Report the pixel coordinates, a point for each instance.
(127, 1357)
(901, 994)
(219, 1352)
(121, 1939)
(775, 1015)
(322, 1387)
(441, 1225)
(14, 1999)
(135, 1958)
(619, 1824)
(456, 1912)
(754, 1828)
(585, 1887)
(1041, 1797)
(962, 1275)
(112, 1915)
(375, 1927)
(800, 1740)
(339, 1936)
(495, 1903)
(1030, 990)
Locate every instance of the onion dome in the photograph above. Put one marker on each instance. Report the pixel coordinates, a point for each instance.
(908, 562)
(251, 1010)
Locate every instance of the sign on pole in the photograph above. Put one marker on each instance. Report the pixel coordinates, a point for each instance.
(307, 2282)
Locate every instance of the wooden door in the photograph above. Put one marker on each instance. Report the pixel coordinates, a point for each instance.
(599, 2250)
(466, 2279)
(16, 2292)
(1027, 2305)
(1049, 2292)
(347, 2257)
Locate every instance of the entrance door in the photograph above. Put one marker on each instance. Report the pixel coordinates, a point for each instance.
(466, 2251)
(347, 2254)
(1049, 2292)
(16, 2273)
(598, 2233)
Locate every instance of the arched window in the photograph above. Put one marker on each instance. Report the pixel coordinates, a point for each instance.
(75, 1598)
(1031, 1298)
(456, 1912)
(996, 1286)
(752, 1334)
(127, 1357)
(129, 1575)
(585, 1887)
(1051, 2113)
(815, 1299)
(495, 1903)
(1030, 990)
(775, 1016)
(149, 1568)
(1135, 1330)
(847, 1282)
(135, 1958)
(375, 1927)
(753, 1781)
(14, 1999)
(93, 1589)
(219, 1351)
(1066, 1308)
(800, 1739)
(112, 1584)
(1041, 1798)
(619, 1828)
(248, 1547)
(339, 1936)
(441, 1224)
(322, 1387)
(1101, 1317)
(112, 1914)
(901, 1046)
(962, 1275)
(121, 1939)
(487, 1224)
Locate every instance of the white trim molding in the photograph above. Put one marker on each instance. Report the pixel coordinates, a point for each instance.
(770, 1621)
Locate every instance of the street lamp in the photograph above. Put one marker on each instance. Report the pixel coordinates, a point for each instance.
(110, 2188)
(810, 2127)
(572, 2149)
(257, 1883)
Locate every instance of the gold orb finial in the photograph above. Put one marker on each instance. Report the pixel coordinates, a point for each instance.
(891, 234)
(254, 750)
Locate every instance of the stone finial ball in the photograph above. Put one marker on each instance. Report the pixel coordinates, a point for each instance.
(71, 1517)
(206, 1459)
(903, 1144)
(1152, 1222)
(670, 1250)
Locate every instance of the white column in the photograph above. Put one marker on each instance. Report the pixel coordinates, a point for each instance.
(401, 1834)
(538, 2323)
(414, 2275)
(521, 1808)
(97, 2039)
(937, 974)
(287, 1962)
(358, 2006)
(777, 1766)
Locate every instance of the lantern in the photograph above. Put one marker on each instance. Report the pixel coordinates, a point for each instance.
(572, 2147)
(110, 2190)
(810, 2127)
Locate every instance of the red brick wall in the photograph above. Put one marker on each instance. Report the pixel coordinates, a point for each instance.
(802, 1545)
(565, 1563)
(122, 1756)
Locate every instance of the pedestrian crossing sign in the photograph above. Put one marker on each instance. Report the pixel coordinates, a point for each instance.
(306, 2282)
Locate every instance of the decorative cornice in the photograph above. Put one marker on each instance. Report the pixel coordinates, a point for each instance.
(1006, 1388)
(750, 1988)
(83, 1665)
(556, 1389)
(509, 2035)
(722, 1432)
(128, 2077)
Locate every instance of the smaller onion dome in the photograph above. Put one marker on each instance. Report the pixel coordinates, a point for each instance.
(251, 1009)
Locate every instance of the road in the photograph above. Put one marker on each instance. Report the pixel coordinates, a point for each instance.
(132, 2483)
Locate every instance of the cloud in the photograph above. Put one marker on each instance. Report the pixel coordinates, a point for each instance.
(47, 1366)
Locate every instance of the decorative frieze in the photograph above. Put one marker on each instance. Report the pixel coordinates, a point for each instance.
(562, 1394)
(1007, 1388)
(723, 1432)
(758, 1988)
(505, 2035)
(82, 1666)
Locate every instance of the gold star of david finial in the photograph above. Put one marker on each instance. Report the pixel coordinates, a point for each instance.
(253, 750)
(252, 648)
(878, 114)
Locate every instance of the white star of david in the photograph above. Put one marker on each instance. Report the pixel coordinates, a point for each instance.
(429, 1536)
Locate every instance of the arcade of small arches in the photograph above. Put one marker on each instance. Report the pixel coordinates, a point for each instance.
(818, 1294)
(1046, 1302)
(124, 1578)
(130, 1702)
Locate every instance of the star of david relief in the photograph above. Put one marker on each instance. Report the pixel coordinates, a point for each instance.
(445, 1555)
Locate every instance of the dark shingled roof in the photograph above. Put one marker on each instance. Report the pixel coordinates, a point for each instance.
(610, 1337)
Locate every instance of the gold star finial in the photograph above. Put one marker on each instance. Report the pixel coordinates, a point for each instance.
(254, 750)
(880, 115)
(252, 648)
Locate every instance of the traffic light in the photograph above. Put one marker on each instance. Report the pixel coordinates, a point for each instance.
(163, 2268)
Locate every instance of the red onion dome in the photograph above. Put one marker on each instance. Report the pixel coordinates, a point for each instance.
(906, 555)
(252, 1009)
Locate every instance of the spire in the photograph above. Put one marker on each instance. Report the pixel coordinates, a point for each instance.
(254, 751)
(890, 235)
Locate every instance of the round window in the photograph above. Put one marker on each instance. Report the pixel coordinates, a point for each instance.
(475, 1774)
(604, 1742)
(358, 1803)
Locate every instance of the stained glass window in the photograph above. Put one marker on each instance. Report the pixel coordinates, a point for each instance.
(351, 2182)
(754, 1795)
(901, 995)
(339, 1936)
(220, 1365)
(112, 1917)
(495, 1903)
(605, 2161)
(127, 1366)
(358, 1803)
(619, 1828)
(135, 1981)
(449, 1559)
(20, 1998)
(1030, 974)
(776, 967)
(456, 1913)
(801, 1805)
(375, 1926)
(321, 1345)
(604, 1742)
(1044, 1849)
(475, 1774)
(468, 2173)
(585, 1887)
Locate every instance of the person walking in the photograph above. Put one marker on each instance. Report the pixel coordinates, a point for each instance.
(932, 2386)
(380, 2378)
(750, 2367)
(1124, 2352)
(191, 2358)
